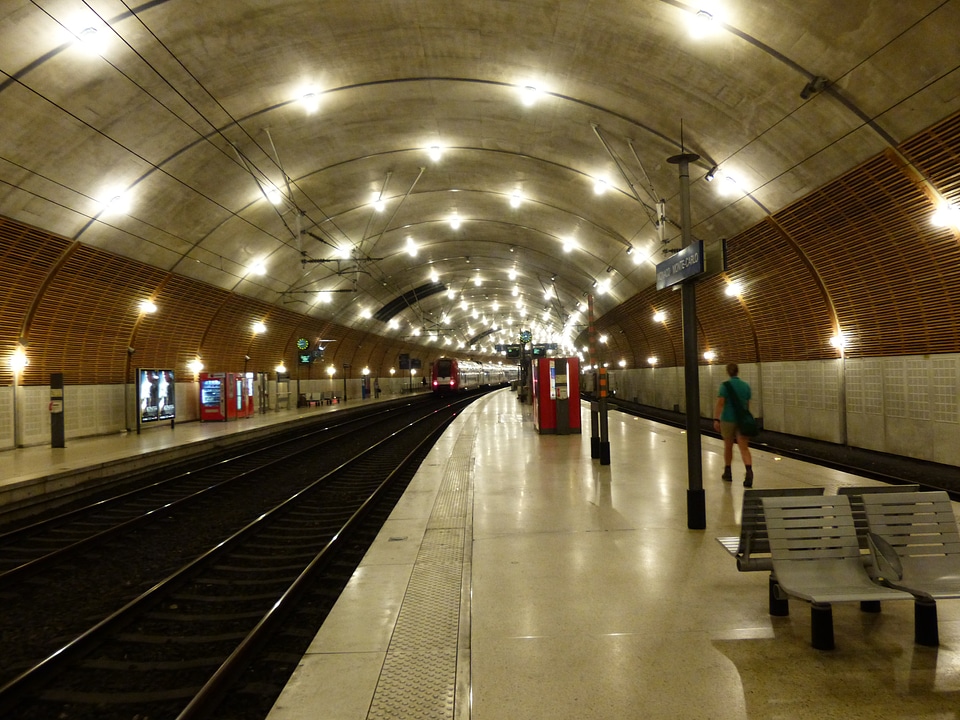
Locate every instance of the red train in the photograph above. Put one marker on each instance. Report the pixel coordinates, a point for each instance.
(449, 375)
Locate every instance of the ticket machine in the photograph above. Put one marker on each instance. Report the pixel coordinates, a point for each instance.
(556, 395)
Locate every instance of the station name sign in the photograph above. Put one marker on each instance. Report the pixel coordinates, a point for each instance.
(685, 264)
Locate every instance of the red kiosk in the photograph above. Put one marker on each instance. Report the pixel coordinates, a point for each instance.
(556, 395)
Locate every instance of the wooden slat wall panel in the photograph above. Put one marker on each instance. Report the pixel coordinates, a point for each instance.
(26, 256)
(85, 318)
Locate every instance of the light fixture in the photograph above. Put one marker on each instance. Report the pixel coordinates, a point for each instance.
(324, 297)
(516, 291)
(477, 280)
(18, 361)
(258, 268)
(816, 84)
(450, 293)
(569, 244)
(365, 314)
(310, 102)
(147, 307)
(434, 277)
(838, 341)
(733, 289)
(331, 371)
(393, 371)
(274, 195)
(529, 95)
(711, 173)
(259, 327)
(435, 153)
(603, 339)
(548, 293)
(652, 360)
(600, 186)
(195, 366)
(629, 249)
(516, 198)
(411, 247)
(659, 316)
(393, 324)
(702, 24)
(281, 369)
(512, 273)
(945, 216)
(92, 41)
(378, 202)
(622, 363)
(729, 186)
(365, 372)
(455, 221)
(709, 356)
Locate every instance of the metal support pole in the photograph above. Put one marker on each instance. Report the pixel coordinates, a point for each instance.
(696, 501)
(594, 430)
(604, 428)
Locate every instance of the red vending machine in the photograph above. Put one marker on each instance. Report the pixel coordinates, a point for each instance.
(556, 395)
(213, 397)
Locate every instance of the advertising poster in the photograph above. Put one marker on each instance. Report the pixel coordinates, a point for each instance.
(156, 397)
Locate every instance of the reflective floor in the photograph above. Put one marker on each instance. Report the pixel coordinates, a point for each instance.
(521, 579)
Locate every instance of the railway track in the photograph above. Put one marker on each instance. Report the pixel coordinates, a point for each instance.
(174, 649)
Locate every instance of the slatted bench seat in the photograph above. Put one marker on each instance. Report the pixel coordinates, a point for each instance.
(918, 545)
(816, 558)
(750, 548)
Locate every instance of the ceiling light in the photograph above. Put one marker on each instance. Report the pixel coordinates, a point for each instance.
(411, 247)
(433, 276)
(118, 204)
(92, 41)
(659, 316)
(18, 361)
(702, 24)
(629, 249)
(478, 281)
(652, 360)
(622, 363)
(569, 244)
(435, 153)
(455, 221)
(463, 304)
(393, 324)
(600, 186)
(516, 291)
(838, 341)
(603, 339)
(258, 268)
(378, 203)
(733, 289)
(729, 186)
(450, 293)
(548, 293)
(274, 195)
(709, 356)
(711, 173)
(516, 198)
(529, 95)
(946, 215)
(365, 314)
(324, 297)
(259, 327)
(495, 306)
(512, 274)
(195, 366)
(603, 287)
(147, 307)
(310, 102)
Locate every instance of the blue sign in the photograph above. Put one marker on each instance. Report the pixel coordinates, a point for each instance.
(685, 264)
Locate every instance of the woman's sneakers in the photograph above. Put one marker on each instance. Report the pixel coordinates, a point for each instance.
(748, 478)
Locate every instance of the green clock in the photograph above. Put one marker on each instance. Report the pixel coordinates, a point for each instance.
(302, 343)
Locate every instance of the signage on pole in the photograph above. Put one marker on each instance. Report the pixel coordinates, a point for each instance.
(686, 264)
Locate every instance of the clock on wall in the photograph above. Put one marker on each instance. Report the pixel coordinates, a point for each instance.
(302, 343)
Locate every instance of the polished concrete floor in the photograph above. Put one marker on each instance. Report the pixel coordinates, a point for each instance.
(553, 587)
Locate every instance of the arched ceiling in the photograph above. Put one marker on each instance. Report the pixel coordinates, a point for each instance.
(192, 112)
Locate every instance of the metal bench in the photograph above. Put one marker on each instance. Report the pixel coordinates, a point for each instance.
(751, 548)
(816, 558)
(917, 544)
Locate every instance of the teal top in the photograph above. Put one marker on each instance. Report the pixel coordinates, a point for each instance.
(743, 392)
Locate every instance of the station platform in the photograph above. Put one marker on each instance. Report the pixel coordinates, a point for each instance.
(520, 579)
(31, 473)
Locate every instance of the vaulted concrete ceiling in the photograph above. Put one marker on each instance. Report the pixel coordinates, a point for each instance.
(193, 113)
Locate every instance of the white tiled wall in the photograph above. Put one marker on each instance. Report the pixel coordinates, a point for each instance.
(903, 405)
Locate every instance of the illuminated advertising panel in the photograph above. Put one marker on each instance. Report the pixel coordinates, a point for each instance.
(156, 396)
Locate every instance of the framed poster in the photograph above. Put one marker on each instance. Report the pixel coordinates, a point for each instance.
(156, 396)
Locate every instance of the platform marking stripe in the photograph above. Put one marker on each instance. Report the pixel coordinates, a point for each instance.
(419, 677)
